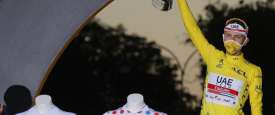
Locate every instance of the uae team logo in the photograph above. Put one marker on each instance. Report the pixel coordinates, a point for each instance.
(223, 90)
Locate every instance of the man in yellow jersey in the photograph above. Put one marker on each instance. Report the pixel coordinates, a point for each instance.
(230, 79)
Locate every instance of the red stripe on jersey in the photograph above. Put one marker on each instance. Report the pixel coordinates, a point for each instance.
(218, 89)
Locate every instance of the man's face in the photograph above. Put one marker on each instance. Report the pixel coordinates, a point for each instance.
(233, 42)
(235, 36)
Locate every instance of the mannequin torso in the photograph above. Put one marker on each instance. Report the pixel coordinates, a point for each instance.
(135, 106)
(44, 106)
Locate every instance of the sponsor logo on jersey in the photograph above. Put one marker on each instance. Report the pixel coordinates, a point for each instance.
(222, 89)
(220, 64)
(239, 71)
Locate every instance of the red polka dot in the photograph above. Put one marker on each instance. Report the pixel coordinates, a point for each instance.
(156, 113)
(114, 112)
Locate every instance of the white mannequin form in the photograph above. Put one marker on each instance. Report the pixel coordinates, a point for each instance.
(44, 106)
(135, 106)
(135, 102)
(43, 103)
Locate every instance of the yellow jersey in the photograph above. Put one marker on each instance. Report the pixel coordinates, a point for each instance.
(230, 79)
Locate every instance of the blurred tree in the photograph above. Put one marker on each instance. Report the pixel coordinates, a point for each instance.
(260, 17)
(104, 64)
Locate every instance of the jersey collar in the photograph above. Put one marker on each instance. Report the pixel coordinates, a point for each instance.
(232, 58)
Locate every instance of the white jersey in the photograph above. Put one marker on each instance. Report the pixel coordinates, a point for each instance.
(53, 111)
(124, 111)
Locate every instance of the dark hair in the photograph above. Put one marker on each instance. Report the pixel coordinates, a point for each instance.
(18, 99)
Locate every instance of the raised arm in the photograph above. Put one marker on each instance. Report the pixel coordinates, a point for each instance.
(194, 31)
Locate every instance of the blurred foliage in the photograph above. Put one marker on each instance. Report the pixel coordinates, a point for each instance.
(103, 65)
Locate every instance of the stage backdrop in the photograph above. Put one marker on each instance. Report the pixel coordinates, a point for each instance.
(33, 33)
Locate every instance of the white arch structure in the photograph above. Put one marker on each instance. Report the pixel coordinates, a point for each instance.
(34, 33)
